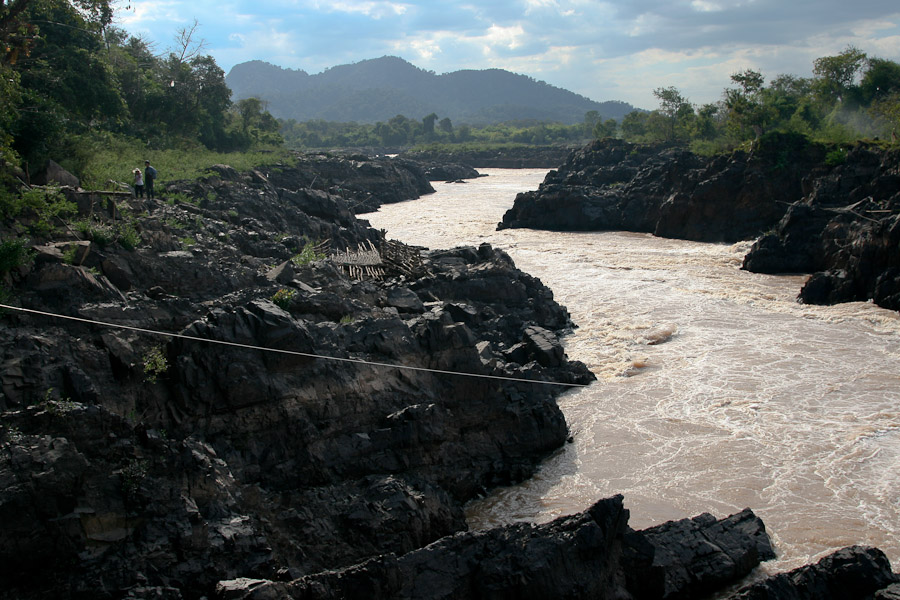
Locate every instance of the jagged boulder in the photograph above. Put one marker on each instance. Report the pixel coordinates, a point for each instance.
(592, 554)
(853, 572)
(846, 231)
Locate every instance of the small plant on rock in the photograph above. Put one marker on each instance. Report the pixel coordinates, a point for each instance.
(128, 236)
(283, 298)
(58, 408)
(836, 157)
(310, 252)
(155, 363)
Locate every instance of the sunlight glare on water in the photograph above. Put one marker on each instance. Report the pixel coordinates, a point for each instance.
(716, 390)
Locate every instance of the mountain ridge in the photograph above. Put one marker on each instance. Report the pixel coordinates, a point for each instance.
(378, 89)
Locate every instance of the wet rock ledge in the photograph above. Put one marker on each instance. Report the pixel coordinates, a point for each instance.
(269, 450)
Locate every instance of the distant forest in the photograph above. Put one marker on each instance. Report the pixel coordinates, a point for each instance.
(850, 96)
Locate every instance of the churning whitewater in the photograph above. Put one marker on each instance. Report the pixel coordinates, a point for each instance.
(716, 390)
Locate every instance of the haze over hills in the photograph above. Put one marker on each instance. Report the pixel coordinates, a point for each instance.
(379, 89)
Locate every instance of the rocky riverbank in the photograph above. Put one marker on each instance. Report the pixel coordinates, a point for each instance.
(832, 212)
(256, 395)
(513, 157)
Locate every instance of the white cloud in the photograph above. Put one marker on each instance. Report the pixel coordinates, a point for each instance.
(706, 6)
(373, 9)
(504, 37)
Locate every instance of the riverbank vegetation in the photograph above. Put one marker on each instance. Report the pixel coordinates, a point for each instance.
(851, 96)
(76, 89)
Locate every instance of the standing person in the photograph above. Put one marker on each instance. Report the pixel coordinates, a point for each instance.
(138, 183)
(149, 177)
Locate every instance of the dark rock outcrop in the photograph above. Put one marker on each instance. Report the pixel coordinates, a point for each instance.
(363, 182)
(220, 405)
(136, 465)
(54, 174)
(449, 171)
(670, 192)
(854, 572)
(593, 554)
(845, 230)
(516, 157)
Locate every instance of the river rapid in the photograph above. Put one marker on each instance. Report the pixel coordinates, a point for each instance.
(716, 390)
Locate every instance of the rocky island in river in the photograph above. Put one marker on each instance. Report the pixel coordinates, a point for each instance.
(265, 398)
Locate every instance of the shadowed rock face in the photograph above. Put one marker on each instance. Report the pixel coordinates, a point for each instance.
(136, 462)
(593, 554)
(845, 230)
(854, 572)
(670, 192)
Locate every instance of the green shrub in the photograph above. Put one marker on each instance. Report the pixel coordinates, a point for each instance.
(310, 252)
(100, 234)
(45, 208)
(13, 254)
(128, 236)
(284, 297)
(836, 157)
(155, 363)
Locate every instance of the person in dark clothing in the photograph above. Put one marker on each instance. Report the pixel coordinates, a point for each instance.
(149, 178)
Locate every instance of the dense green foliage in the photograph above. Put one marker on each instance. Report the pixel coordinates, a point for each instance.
(72, 85)
(850, 96)
(402, 131)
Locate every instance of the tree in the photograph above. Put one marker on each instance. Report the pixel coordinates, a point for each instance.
(749, 113)
(428, 124)
(446, 125)
(18, 29)
(604, 129)
(634, 125)
(674, 107)
(65, 81)
(836, 74)
(882, 78)
(591, 118)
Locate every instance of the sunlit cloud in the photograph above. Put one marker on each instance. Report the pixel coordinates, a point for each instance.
(506, 37)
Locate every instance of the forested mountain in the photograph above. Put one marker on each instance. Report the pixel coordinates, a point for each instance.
(381, 88)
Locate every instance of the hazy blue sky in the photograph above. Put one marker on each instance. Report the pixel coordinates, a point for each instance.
(618, 50)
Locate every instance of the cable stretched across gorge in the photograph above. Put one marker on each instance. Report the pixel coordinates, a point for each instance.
(282, 351)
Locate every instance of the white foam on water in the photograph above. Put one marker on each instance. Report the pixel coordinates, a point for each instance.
(752, 400)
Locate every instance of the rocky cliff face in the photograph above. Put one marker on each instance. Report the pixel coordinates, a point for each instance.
(845, 230)
(837, 218)
(231, 407)
(134, 460)
(670, 192)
